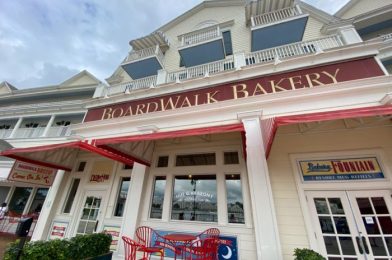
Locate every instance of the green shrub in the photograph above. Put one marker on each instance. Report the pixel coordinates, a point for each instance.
(307, 254)
(76, 248)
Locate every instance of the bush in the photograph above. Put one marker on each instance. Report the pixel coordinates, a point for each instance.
(76, 248)
(307, 254)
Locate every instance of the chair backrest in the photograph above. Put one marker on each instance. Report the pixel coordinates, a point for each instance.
(204, 249)
(145, 235)
(130, 248)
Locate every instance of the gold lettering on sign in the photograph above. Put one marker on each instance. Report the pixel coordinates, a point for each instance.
(107, 113)
(333, 77)
(210, 98)
(296, 80)
(313, 79)
(259, 89)
(117, 112)
(128, 112)
(186, 103)
(276, 86)
(169, 102)
(243, 91)
(154, 109)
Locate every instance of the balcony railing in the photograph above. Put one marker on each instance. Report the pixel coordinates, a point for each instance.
(133, 85)
(201, 70)
(144, 54)
(294, 49)
(198, 36)
(4, 133)
(275, 16)
(58, 131)
(386, 37)
(29, 132)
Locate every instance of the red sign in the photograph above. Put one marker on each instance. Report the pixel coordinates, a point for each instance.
(98, 178)
(32, 173)
(290, 81)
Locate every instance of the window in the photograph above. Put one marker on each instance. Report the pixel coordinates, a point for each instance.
(3, 193)
(38, 200)
(71, 195)
(157, 197)
(235, 203)
(163, 161)
(128, 167)
(194, 198)
(181, 62)
(81, 166)
(19, 199)
(122, 196)
(227, 43)
(196, 159)
(231, 158)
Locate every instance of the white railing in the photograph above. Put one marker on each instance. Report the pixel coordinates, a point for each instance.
(294, 49)
(4, 133)
(146, 82)
(145, 53)
(386, 37)
(275, 16)
(29, 132)
(201, 70)
(198, 36)
(55, 131)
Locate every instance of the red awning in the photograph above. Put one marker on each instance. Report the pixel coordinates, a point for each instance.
(140, 147)
(59, 156)
(271, 125)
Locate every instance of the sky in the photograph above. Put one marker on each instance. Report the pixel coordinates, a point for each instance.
(45, 42)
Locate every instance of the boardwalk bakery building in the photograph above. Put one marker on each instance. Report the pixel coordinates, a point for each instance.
(270, 120)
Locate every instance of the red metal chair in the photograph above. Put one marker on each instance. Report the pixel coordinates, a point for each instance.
(145, 236)
(130, 247)
(10, 219)
(204, 249)
(209, 233)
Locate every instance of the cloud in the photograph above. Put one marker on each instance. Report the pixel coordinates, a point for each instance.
(39, 36)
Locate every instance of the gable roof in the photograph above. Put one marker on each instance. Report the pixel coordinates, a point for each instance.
(316, 13)
(346, 7)
(6, 87)
(90, 79)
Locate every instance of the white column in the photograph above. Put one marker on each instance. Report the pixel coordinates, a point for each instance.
(48, 126)
(239, 60)
(161, 78)
(17, 125)
(133, 204)
(262, 204)
(349, 34)
(47, 211)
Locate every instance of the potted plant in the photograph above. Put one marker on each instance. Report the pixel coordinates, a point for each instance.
(81, 247)
(307, 254)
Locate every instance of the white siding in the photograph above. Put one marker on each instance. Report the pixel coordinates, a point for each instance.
(239, 32)
(312, 30)
(289, 213)
(364, 6)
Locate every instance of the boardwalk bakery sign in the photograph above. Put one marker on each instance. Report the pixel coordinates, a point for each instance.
(308, 78)
(32, 173)
(341, 169)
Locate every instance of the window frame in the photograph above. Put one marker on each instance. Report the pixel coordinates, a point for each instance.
(65, 202)
(119, 184)
(152, 195)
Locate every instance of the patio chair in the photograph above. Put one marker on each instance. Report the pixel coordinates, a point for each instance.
(130, 248)
(209, 233)
(145, 236)
(204, 249)
(11, 219)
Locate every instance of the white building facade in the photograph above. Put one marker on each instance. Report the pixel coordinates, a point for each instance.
(270, 120)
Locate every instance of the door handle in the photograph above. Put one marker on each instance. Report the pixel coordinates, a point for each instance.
(365, 245)
(362, 245)
(96, 225)
(359, 245)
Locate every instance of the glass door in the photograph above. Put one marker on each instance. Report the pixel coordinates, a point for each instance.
(352, 224)
(91, 212)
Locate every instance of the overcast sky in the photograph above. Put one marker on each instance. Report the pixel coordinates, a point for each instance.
(44, 42)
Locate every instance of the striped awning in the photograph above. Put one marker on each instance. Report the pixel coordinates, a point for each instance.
(257, 7)
(151, 40)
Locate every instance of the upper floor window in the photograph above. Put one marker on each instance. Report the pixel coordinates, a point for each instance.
(19, 199)
(196, 159)
(122, 196)
(227, 42)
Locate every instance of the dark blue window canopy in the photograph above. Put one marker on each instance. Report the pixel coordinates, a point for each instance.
(279, 34)
(203, 53)
(142, 68)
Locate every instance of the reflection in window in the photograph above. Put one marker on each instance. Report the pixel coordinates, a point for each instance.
(157, 197)
(19, 199)
(122, 196)
(38, 200)
(71, 196)
(194, 198)
(235, 203)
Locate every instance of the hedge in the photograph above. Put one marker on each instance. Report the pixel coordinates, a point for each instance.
(76, 248)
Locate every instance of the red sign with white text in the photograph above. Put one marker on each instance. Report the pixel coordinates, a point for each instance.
(265, 85)
(32, 173)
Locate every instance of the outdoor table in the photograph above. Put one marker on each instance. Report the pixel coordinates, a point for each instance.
(179, 239)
